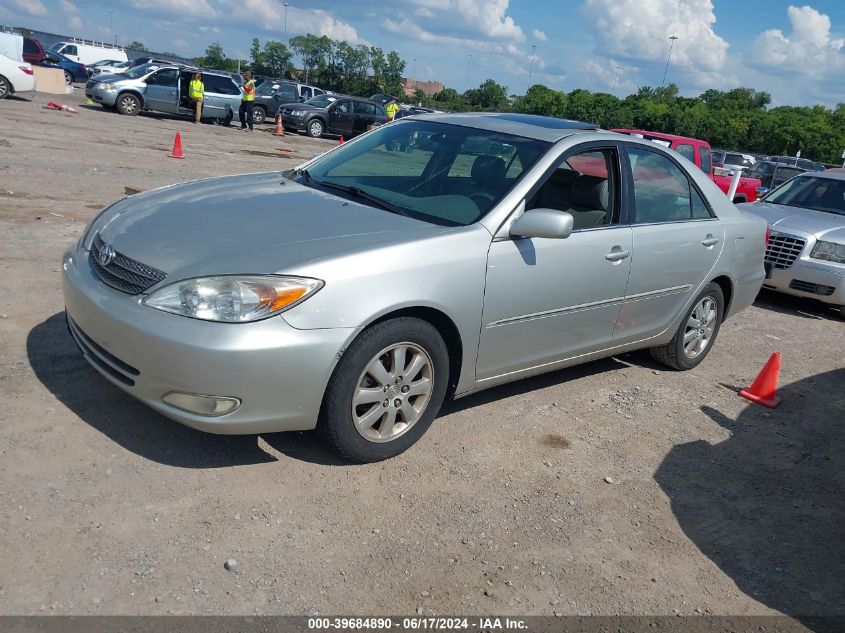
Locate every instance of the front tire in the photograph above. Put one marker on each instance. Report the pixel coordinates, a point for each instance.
(696, 333)
(259, 115)
(386, 390)
(315, 128)
(68, 79)
(128, 104)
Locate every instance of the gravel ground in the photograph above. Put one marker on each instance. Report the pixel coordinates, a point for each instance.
(617, 487)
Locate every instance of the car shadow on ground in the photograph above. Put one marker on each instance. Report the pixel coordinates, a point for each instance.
(797, 306)
(767, 505)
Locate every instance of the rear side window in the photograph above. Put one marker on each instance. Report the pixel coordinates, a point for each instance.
(662, 191)
(220, 85)
(364, 108)
(706, 161)
(686, 150)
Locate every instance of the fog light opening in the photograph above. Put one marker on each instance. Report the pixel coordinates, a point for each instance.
(209, 406)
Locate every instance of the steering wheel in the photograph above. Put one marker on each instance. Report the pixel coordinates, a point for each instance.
(480, 198)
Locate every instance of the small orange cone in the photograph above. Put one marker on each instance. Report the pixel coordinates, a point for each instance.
(177, 147)
(280, 129)
(341, 141)
(764, 388)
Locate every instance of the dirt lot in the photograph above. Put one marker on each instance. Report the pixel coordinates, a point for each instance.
(614, 488)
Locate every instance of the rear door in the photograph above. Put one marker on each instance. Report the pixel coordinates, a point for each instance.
(365, 114)
(161, 91)
(677, 240)
(341, 117)
(220, 93)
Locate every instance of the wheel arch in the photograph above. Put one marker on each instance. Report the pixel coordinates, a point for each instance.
(726, 284)
(447, 328)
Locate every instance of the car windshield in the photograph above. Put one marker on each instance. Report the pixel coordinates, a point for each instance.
(443, 174)
(140, 71)
(809, 192)
(321, 101)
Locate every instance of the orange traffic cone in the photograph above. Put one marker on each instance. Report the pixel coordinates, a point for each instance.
(280, 129)
(177, 147)
(341, 141)
(764, 388)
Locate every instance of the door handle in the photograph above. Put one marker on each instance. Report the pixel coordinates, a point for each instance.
(617, 254)
(171, 93)
(710, 240)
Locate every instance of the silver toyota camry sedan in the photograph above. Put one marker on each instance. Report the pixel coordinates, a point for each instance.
(430, 258)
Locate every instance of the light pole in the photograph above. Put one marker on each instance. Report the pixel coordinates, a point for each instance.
(286, 20)
(531, 69)
(665, 70)
(111, 24)
(469, 61)
(615, 77)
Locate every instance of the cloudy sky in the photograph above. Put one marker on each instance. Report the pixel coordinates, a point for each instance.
(795, 51)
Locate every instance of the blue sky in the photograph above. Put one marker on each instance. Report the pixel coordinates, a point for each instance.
(794, 50)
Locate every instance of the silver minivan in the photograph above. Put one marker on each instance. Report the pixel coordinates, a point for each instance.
(165, 89)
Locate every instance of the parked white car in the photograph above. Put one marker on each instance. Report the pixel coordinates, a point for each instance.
(15, 76)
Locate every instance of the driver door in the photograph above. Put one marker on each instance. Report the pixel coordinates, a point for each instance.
(160, 93)
(551, 299)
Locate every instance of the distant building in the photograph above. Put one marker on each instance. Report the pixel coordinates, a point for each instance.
(429, 88)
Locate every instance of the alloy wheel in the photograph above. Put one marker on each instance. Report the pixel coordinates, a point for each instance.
(4, 88)
(392, 392)
(700, 327)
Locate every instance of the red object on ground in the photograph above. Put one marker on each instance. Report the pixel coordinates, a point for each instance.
(286, 149)
(52, 105)
(177, 147)
(764, 388)
(341, 141)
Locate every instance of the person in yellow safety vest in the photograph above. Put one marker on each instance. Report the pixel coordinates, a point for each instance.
(247, 101)
(196, 92)
(391, 109)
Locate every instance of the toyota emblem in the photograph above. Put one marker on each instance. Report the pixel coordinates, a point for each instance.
(106, 255)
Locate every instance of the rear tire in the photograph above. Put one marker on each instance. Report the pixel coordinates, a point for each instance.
(5, 87)
(697, 332)
(411, 364)
(128, 104)
(68, 79)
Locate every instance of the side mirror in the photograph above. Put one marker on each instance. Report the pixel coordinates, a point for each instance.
(549, 223)
(302, 100)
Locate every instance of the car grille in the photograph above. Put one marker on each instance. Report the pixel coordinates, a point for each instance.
(783, 250)
(124, 273)
(816, 289)
(103, 360)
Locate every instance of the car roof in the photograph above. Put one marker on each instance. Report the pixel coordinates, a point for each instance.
(542, 128)
(830, 174)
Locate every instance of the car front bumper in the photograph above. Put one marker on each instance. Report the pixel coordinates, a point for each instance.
(106, 97)
(277, 372)
(293, 122)
(808, 277)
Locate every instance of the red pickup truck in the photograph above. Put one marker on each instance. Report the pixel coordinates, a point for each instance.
(698, 152)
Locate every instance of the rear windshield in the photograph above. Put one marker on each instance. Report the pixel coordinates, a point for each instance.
(443, 174)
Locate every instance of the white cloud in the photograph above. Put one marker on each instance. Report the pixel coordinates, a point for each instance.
(30, 7)
(611, 75)
(197, 8)
(539, 35)
(72, 12)
(809, 48)
(640, 30)
(463, 21)
(270, 16)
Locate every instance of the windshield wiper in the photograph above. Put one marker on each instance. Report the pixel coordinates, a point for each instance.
(363, 195)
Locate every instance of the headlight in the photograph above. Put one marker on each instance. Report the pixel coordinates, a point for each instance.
(298, 112)
(106, 86)
(829, 251)
(233, 299)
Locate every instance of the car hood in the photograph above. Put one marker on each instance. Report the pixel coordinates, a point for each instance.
(255, 223)
(303, 106)
(826, 226)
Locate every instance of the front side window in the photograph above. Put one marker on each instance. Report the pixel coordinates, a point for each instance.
(662, 191)
(443, 174)
(167, 77)
(287, 92)
(69, 50)
(584, 185)
(305, 92)
(706, 161)
(344, 107)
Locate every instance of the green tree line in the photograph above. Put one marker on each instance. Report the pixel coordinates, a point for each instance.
(738, 119)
